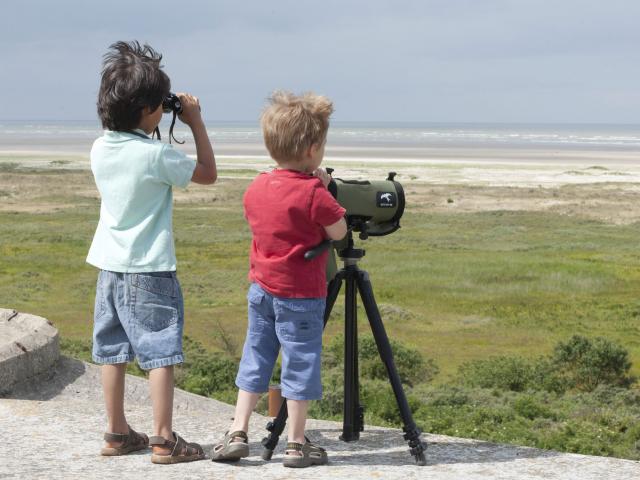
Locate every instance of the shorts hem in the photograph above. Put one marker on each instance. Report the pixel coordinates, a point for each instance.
(161, 362)
(301, 396)
(251, 388)
(126, 358)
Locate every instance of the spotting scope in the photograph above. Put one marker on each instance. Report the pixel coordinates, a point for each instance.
(374, 208)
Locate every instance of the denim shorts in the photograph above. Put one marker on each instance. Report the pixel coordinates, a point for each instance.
(138, 315)
(295, 324)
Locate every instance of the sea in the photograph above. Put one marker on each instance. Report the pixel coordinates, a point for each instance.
(350, 137)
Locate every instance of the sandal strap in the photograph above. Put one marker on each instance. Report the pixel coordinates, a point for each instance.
(313, 447)
(136, 438)
(115, 437)
(238, 434)
(294, 446)
(228, 439)
(157, 440)
(127, 439)
(182, 447)
(179, 447)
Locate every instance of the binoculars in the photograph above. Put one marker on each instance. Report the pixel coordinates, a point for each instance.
(172, 103)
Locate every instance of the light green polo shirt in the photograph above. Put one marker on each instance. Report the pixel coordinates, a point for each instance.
(135, 176)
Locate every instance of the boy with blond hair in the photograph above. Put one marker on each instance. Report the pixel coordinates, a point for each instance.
(289, 211)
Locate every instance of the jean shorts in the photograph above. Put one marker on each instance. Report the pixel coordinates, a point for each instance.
(296, 325)
(138, 315)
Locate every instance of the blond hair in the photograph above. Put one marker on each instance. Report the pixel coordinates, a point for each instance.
(291, 124)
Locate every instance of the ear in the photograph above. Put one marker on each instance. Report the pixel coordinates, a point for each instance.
(313, 150)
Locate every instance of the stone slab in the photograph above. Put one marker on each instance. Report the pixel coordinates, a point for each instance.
(28, 346)
(53, 426)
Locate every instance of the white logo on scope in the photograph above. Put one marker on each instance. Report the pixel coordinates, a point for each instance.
(385, 199)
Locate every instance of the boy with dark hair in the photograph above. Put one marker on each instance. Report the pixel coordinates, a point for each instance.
(139, 309)
(289, 211)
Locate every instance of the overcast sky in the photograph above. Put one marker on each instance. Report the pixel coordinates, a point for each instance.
(550, 61)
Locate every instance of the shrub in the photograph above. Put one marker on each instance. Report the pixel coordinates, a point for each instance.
(380, 404)
(206, 373)
(446, 395)
(585, 363)
(505, 373)
(412, 367)
(208, 376)
(546, 377)
(529, 407)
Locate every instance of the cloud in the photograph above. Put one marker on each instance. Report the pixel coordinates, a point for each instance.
(432, 60)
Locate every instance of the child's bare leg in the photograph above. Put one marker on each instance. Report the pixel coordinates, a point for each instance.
(297, 419)
(161, 388)
(113, 388)
(245, 405)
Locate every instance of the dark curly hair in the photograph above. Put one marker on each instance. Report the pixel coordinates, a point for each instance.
(132, 78)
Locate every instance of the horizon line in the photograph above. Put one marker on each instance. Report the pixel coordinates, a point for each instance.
(363, 122)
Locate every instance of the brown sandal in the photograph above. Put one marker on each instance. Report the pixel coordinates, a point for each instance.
(131, 442)
(181, 451)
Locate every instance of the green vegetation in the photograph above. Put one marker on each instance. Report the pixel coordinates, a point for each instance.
(482, 401)
(490, 300)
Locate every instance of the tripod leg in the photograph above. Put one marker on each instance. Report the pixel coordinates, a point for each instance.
(352, 422)
(333, 289)
(412, 432)
(276, 426)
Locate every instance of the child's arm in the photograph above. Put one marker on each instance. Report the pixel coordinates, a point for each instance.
(205, 172)
(338, 230)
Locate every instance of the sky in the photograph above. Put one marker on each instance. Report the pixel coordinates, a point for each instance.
(507, 61)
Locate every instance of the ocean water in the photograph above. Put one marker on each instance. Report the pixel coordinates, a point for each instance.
(77, 135)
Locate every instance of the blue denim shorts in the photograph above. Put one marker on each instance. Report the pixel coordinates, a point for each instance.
(295, 324)
(138, 315)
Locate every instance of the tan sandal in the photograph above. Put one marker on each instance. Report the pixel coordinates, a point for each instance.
(307, 454)
(181, 451)
(230, 449)
(131, 442)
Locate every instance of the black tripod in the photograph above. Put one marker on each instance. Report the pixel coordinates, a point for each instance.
(353, 423)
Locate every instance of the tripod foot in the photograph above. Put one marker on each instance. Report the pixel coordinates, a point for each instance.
(416, 446)
(421, 459)
(266, 454)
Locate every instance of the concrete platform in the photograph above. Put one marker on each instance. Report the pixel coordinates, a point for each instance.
(28, 346)
(53, 424)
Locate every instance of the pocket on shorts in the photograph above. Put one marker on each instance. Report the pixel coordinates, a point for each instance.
(100, 306)
(255, 296)
(299, 320)
(155, 304)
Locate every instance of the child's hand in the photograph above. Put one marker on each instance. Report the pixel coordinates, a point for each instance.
(322, 174)
(190, 109)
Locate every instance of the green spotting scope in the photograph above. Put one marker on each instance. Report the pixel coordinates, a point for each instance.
(374, 208)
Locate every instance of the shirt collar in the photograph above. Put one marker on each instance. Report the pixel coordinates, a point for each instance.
(287, 172)
(138, 132)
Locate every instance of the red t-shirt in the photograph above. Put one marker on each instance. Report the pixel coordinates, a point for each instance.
(287, 211)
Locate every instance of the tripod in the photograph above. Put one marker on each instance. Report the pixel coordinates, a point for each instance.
(356, 280)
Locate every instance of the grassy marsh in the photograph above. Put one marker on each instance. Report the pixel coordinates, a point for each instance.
(457, 285)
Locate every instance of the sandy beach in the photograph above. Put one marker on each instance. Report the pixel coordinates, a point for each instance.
(601, 184)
